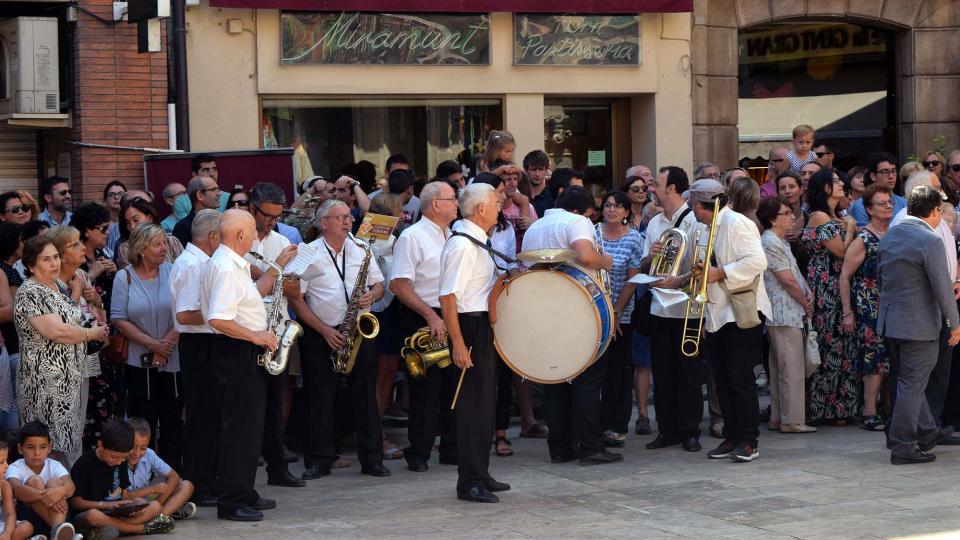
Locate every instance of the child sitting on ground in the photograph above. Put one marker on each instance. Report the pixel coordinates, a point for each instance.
(102, 483)
(10, 528)
(41, 485)
(144, 465)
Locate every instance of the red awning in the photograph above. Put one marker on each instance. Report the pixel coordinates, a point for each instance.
(469, 6)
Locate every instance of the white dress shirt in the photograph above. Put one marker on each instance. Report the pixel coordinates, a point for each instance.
(326, 293)
(946, 236)
(558, 229)
(416, 256)
(738, 251)
(186, 282)
(269, 248)
(658, 225)
(229, 292)
(467, 270)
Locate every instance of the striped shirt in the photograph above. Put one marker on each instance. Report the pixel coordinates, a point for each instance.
(626, 252)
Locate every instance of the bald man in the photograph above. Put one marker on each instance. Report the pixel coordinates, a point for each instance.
(232, 304)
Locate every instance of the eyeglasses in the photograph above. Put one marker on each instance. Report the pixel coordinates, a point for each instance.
(887, 172)
(103, 228)
(342, 218)
(75, 245)
(821, 154)
(618, 206)
(498, 203)
(270, 217)
(65, 192)
(22, 209)
(932, 163)
(454, 199)
(955, 167)
(240, 204)
(637, 189)
(887, 204)
(115, 194)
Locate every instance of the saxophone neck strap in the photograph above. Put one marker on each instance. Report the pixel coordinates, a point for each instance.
(342, 272)
(489, 249)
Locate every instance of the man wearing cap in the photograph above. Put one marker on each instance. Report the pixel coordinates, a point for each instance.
(734, 337)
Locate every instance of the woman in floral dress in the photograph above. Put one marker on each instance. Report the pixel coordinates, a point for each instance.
(861, 302)
(834, 389)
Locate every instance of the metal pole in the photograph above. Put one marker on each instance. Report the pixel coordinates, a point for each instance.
(179, 50)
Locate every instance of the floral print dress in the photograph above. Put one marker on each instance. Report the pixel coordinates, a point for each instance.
(870, 349)
(834, 389)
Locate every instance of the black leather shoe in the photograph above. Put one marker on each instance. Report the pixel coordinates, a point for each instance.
(477, 494)
(315, 471)
(285, 480)
(662, 441)
(263, 504)
(952, 439)
(205, 501)
(601, 458)
(914, 457)
(692, 444)
(377, 469)
(563, 458)
(494, 486)
(418, 467)
(613, 443)
(244, 513)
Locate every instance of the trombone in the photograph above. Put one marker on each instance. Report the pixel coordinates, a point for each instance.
(697, 290)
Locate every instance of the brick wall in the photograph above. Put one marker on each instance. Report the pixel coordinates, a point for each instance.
(121, 99)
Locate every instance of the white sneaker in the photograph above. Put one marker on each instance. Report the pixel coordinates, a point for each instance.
(64, 531)
(610, 434)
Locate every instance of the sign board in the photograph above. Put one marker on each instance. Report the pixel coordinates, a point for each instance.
(576, 40)
(808, 41)
(384, 38)
(377, 227)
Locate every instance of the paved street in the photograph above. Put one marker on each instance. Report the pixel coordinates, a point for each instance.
(837, 483)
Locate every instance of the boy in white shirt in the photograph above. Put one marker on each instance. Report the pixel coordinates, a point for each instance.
(144, 465)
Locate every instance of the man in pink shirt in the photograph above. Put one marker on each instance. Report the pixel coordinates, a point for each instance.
(777, 165)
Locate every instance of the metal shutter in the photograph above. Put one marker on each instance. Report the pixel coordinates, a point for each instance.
(18, 159)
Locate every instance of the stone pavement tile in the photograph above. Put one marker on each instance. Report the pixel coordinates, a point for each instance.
(846, 528)
(840, 509)
(933, 520)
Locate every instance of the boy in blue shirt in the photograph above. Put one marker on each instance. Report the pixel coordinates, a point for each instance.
(144, 465)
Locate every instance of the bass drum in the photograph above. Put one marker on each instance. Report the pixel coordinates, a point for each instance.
(552, 323)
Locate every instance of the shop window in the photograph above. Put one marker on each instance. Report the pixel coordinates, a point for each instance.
(837, 77)
(331, 135)
(579, 136)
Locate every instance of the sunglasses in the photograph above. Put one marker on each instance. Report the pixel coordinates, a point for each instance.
(637, 189)
(17, 209)
(955, 167)
(65, 192)
(240, 204)
(821, 154)
(931, 163)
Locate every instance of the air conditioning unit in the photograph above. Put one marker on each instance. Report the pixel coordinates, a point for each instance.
(30, 72)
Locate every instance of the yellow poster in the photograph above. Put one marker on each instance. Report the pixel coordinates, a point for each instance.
(377, 227)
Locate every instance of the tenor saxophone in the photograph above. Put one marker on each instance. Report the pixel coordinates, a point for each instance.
(356, 326)
(275, 362)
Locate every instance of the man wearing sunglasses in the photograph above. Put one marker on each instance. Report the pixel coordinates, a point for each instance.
(56, 201)
(952, 169)
(825, 155)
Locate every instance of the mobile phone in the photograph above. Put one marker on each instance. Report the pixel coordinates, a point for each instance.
(146, 360)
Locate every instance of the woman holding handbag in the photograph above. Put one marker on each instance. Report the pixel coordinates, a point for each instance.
(790, 301)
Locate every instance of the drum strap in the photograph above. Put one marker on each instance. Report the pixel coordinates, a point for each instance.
(489, 249)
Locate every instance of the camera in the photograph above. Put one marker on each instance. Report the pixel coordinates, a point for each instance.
(93, 347)
(146, 360)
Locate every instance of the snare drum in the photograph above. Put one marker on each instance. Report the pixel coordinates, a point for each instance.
(552, 323)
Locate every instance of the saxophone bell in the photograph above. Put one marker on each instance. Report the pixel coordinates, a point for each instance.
(355, 326)
(275, 362)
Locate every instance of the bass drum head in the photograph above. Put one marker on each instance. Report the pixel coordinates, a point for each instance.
(547, 326)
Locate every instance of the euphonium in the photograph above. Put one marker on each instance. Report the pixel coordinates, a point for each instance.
(420, 351)
(697, 304)
(276, 362)
(356, 326)
(673, 248)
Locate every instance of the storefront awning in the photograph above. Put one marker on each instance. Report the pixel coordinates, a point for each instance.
(471, 6)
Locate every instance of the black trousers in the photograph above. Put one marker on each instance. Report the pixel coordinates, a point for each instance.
(201, 397)
(477, 402)
(616, 405)
(320, 388)
(504, 394)
(732, 354)
(572, 412)
(939, 385)
(677, 381)
(154, 395)
(273, 452)
(951, 407)
(430, 398)
(242, 386)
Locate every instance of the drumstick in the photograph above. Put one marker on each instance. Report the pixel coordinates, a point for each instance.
(459, 384)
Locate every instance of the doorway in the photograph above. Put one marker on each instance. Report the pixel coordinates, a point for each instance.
(590, 135)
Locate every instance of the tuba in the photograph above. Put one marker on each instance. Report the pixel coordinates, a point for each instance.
(420, 352)
(356, 326)
(697, 290)
(276, 362)
(673, 248)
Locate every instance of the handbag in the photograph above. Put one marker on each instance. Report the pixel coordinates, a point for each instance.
(744, 303)
(114, 353)
(811, 349)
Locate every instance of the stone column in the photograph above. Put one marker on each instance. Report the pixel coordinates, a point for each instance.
(714, 51)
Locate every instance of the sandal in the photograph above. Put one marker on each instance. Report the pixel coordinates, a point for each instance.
(504, 451)
(873, 423)
(390, 451)
(536, 431)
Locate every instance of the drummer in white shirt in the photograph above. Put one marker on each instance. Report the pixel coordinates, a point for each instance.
(415, 280)
(467, 275)
(573, 410)
(196, 365)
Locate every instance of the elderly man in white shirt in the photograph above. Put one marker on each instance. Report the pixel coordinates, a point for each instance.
(467, 275)
(415, 280)
(232, 304)
(196, 364)
(572, 410)
(733, 345)
(328, 285)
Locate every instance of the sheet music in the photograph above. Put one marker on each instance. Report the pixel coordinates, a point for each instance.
(299, 264)
(670, 297)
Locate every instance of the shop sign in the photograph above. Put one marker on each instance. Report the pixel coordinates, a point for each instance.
(384, 38)
(808, 41)
(561, 40)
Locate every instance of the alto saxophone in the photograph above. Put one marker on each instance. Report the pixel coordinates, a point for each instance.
(356, 326)
(275, 362)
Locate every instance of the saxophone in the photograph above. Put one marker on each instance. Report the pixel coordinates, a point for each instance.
(356, 326)
(276, 362)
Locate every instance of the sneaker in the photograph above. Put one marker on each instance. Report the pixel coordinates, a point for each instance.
(723, 451)
(43, 537)
(186, 511)
(158, 525)
(762, 379)
(64, 531)
(642, 426)
(613, 435)
(745, 452)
